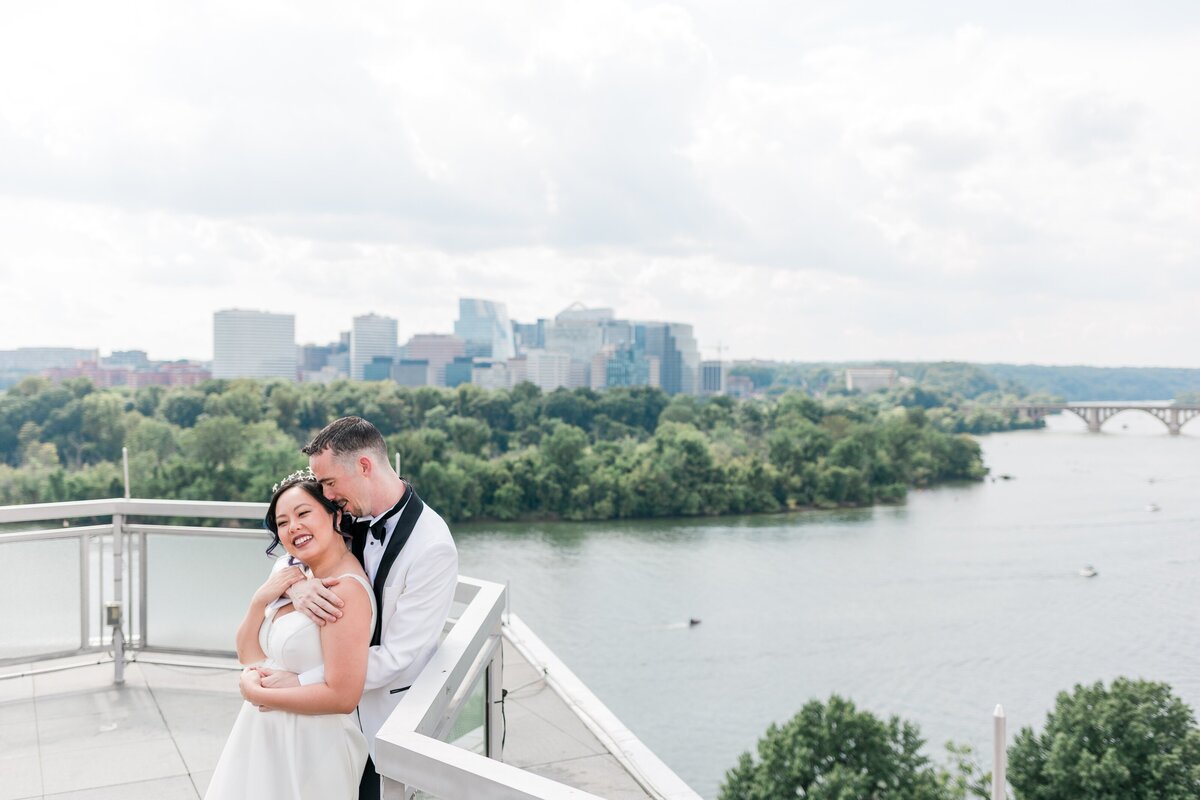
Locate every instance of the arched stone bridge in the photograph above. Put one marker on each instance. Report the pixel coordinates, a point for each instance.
(1173, 415)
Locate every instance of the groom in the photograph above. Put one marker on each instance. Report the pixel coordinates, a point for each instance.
(409, 557)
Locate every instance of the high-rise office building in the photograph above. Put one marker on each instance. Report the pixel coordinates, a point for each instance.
(624, 365)
(411, 372)
(491, 374)
(371, 337)
(314, 357)
(675, 348)
(459, 371)
(529, 336)
(579, 333)
(439, 349)
(254, 344)
(579, 314)
(713, 375)
(135, 359)
(380, 369)
(547, 370)
(484, 328)
(36, 359)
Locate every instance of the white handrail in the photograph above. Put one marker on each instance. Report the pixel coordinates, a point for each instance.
(205, 509)
(407, 751)
(449, 772)
(642, 764)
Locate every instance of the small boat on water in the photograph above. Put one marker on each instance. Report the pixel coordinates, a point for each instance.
(1088, 572)
(1152, 507)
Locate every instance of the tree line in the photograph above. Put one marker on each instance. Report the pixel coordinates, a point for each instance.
(478, 454)
(990, 383)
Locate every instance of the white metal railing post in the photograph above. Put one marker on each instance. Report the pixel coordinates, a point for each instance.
(393, 790)
(125, 467)
(118, 635)
(493, 714)
(85, 591)
(999, 755)
(143, 590)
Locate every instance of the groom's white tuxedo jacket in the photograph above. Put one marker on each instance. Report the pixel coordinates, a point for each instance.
(417, 591)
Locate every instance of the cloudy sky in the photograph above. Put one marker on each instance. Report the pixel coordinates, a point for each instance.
(917, 180)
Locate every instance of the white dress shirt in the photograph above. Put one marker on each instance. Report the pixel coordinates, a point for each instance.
(374, 548)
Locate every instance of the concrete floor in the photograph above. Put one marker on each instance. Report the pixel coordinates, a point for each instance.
(73, 734)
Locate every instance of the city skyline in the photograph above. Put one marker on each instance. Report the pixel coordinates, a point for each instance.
(932, 181)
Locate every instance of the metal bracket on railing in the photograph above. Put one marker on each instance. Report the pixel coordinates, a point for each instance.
(112, 618)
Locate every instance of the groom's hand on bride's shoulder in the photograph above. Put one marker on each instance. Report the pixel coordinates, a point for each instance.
(316, 600)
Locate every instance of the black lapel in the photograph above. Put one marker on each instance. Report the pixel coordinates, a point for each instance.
(358, 541)
(404, 529)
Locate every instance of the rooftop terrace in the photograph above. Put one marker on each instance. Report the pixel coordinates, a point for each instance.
(119, 717)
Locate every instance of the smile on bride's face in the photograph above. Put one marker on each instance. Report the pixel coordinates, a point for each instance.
(304, 526)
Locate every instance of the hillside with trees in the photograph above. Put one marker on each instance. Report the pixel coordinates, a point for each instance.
(477, 454)
(988, 382)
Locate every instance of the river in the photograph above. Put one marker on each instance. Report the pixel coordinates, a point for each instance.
(936, 610)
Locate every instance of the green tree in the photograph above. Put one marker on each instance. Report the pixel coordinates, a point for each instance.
(635, 406)
(182, 408)
(564, 447)
(682, 408)
(572, 407)
(102, 425)
(576, 454)
(153, 437)
(217, 441)
(469, 435)
(243, 402)
(1132, 741)
(833, 751)
(283, 405)
(147, 399)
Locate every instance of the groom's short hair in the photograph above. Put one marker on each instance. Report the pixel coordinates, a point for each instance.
(348, 436)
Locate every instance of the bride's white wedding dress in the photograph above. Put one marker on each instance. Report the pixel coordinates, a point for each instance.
(278, 754)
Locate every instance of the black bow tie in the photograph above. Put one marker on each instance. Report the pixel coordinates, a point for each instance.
(378, 528)
(361, 527)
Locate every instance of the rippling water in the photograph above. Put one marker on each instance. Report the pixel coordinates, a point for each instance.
(937, 610)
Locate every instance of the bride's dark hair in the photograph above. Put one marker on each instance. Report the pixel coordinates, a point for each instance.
(312, 488)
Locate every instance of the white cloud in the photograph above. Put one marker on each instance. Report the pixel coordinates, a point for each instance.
(961, 181)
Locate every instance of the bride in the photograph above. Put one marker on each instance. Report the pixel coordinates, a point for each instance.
(308, 743)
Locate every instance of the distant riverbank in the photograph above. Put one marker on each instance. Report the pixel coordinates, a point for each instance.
(499, 455)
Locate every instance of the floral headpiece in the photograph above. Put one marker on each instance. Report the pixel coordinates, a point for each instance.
(298, 476)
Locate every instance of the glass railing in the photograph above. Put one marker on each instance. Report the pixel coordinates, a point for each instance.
(196, 585)
(45, 574)
(128, 589)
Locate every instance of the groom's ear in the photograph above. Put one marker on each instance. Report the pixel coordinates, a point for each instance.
(365, 465)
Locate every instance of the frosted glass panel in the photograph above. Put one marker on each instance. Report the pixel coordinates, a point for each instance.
(42, 592)
(198, 587)
(469, 731)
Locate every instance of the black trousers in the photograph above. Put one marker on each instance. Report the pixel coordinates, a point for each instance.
(368, 787)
